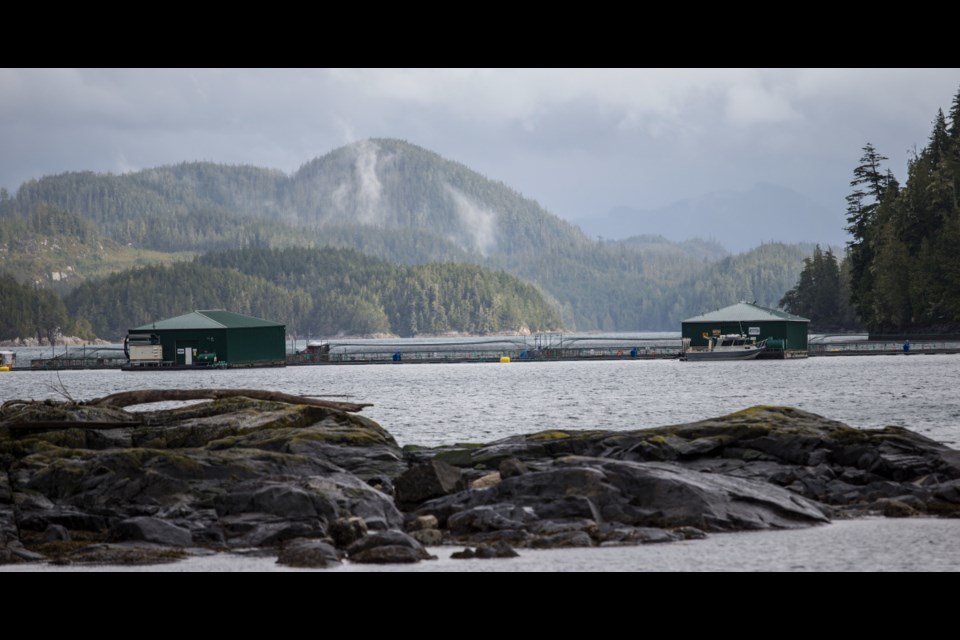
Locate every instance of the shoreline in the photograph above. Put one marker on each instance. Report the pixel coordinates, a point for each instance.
(337, 487)
(859, 544)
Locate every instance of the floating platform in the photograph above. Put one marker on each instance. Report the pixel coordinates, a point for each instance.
(500, 350)
(884, 348)
(81, 358)
(170, 366)
(537, 349)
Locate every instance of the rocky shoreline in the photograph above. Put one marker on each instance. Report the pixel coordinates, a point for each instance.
(316, 484)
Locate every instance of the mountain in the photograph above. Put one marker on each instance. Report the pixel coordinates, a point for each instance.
(692, 249)
(59, 250)
(377, 184)
(736, 220)
(399, 202)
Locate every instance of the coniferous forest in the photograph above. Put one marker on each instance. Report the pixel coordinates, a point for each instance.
(901, 273)
(318, 293)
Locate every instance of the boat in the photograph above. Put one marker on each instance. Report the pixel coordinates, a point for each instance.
(732, 346)
(8, 360)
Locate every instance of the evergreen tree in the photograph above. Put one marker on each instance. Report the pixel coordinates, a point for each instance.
(819, 293)
(870, 185)
(903, 268)
(29, 311)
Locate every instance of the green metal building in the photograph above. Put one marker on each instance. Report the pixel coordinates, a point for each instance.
(784, 332)
(206, 338)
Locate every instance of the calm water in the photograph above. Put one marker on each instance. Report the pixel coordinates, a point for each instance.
(447, 403)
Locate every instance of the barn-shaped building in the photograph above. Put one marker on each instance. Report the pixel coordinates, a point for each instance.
(208, 338)
(785, 333)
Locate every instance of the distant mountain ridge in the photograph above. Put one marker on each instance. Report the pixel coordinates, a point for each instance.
(378, 183)
(400, 202)
(737, 220)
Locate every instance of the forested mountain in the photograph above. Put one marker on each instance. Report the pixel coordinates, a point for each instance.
(693, 249)
(318, 292)
(57, 250)
(761, 275)
(396, 201)
(384, 184)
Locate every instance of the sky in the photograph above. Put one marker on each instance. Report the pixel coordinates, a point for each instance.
(579, 141)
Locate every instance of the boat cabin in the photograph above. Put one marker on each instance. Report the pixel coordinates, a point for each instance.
(730, 341)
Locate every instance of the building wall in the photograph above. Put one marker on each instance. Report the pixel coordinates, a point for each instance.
(794, 332)
(797, 335)
(204, 340)
(241, 345)
(256, 344)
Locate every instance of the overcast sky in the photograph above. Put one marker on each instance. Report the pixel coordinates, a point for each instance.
(578, 141)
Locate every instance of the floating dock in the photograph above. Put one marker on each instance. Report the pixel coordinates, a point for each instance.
(535, 349)
(541, 348)
(884, 348)
(73, 358)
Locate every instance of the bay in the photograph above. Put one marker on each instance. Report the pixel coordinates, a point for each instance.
(433, 404)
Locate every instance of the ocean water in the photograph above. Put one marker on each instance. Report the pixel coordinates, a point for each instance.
(432, 404)
(448, 403)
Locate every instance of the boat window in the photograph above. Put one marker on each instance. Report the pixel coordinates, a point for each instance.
(726, 343)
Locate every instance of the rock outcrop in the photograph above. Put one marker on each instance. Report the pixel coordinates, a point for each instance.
(764, 467)
(809, 455)
(231, 473)
(316, 484)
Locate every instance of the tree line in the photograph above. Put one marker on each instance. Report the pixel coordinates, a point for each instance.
(900, 273)
(822, 293)
(317, 292)
(32, 312)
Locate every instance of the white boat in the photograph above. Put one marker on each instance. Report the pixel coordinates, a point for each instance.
(732, 346)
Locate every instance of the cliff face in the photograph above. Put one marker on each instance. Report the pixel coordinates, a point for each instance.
(312, 483)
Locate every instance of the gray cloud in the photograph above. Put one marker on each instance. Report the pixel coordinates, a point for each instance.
(578, 141)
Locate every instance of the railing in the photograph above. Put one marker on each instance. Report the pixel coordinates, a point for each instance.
(866, 347)
(485, 355)
(77, 363)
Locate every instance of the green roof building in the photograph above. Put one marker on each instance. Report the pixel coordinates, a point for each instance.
(206, 338)
(784, 332)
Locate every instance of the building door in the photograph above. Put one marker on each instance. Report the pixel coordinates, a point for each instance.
(186, 351)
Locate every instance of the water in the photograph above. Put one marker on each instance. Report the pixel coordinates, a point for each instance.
(873, 544)
(448, 403)
(432, 404)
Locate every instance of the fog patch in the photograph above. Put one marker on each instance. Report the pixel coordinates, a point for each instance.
(355, 195)
(368, 187)
(480, 224)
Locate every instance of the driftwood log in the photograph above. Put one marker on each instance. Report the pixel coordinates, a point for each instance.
(146, 396)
